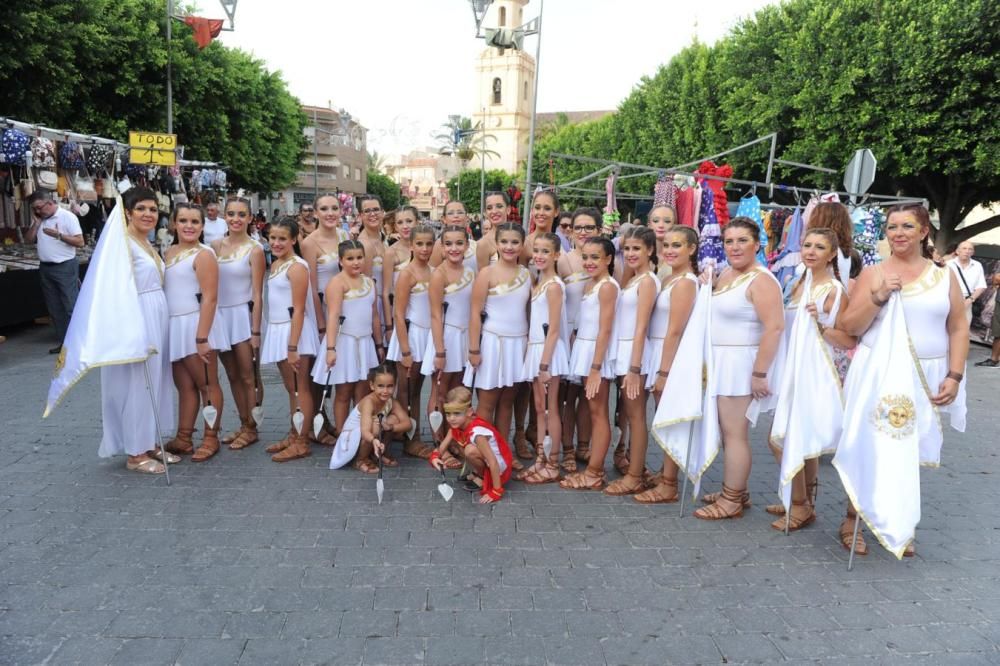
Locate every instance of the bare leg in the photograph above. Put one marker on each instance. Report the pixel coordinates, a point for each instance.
(592, 478)
(736, 471)
(634, 415)
(342, 403)
(504, 410)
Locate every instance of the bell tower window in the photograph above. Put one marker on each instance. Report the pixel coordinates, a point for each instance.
(503, 17)
(497, 88)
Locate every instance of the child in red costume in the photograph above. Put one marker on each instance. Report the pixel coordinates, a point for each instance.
(485, 449)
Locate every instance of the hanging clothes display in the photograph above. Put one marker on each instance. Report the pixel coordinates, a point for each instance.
(750, 207)
(710, 252)
(665, 191)
(789, 256)
(685, 207)
(872, 225)
(718, 188)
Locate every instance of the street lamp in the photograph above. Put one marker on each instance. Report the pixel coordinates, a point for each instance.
(345, 126)
(507, 38)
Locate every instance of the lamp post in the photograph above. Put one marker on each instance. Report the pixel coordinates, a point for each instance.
(514, 39)
(345, 123)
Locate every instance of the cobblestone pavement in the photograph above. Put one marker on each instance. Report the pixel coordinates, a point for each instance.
(245, 561)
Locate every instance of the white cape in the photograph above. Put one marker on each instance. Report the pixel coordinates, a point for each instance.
(107, 326)
(878, 455)
(681, 407)
(810, 410)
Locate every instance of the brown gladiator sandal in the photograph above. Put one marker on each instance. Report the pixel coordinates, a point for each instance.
(209, 445)
(568, 459)
(665, 492)
(521, 447)
(544, 470)
(716, 511)
(846, 531)
(297, 448)
(283, 444)
(181, 444)
(797, 522)
(246, 436)
(712, 498)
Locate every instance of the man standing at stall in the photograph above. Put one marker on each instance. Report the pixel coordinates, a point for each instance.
(971, 279)
(215, 226)
(58, 268)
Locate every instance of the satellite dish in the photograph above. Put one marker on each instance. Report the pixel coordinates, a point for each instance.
(860, 173)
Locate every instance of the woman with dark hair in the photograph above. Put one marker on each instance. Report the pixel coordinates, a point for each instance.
(833, 215)
(934, 316)
(746, 325)
(126, 408)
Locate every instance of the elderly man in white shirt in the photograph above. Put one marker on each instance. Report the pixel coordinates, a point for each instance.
(969, 272)
(215, 226)
(58, 267)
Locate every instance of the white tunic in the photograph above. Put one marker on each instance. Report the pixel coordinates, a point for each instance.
(588, 327)
(628, 304)
(504, 334)
(182, 290)
(559, 363)
(575, 284)
(235, 294)
(736, 333)
(658, 324)
(355, 345)
(418, 313)
(126, 400)
(458, 296)
(279, 322)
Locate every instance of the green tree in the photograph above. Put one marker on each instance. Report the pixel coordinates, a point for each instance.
(385, 188)
(107, 75)
(376, 162)
(464, 140)
(496, 180)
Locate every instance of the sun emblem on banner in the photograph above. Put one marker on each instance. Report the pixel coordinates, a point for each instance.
(895, 415)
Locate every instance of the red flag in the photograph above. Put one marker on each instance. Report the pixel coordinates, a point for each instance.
(205, 30)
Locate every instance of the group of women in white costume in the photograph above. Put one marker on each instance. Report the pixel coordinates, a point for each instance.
(514, 314)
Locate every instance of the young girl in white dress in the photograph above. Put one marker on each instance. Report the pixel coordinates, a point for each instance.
(412, 314)
(291, 338)
(592, 356)
(372, 214)
(372, 424)
(547, 359)
(128, 393)
(320, 250)
(241, 305)
(191, 284)
(747, 322)
(450, 296)
(397, 257)
(456, 216)
(671, 313)
(635, 308)
(352, 323)
(498, 344)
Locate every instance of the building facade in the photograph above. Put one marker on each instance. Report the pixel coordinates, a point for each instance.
(335, 160)
(423, 177)
(506, 89)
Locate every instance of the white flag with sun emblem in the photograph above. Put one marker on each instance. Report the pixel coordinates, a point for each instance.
(878, 456)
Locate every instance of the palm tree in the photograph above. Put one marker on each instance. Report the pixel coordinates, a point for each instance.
(376, 162)
(464, 140)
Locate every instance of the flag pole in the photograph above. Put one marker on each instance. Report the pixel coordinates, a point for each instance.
(687, 463)
(156, 422)
(854, 540)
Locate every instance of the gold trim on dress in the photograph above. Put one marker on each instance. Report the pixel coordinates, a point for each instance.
(579, 276)
(184, 254)
(538, 291)
(420, 287)
(668, 284)
(746, 277)
(397, 267)
(635, 279)
(327, 257)
(367, 284)
(282, 269)
(241, 251)
(929, 278)
(513, 285)
(468, 275)
(597, 286)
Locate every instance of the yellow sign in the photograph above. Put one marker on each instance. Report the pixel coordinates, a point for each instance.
(150, 148)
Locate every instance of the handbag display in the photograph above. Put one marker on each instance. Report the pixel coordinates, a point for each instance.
(71, 157)
(43, 153)
(86, 188)
(47, 179)
(13, 146)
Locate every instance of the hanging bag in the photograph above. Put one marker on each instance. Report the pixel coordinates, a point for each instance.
(13, 146)
(71, 157)
(43, 153)
(86, 188)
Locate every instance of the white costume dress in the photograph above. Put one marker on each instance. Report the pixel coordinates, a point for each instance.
(377, 277)
(181, 286)
(736, 333)
(350, 437)
(355, 345)
(470, 260)
(458, 296)
(505, 334)
(279, 322)
(657, 331)
(628, 305)
(575, 284)
(926, 304)
(235, 294)
(559, 363)
(126, 406)
(588, 326)
(418, 312)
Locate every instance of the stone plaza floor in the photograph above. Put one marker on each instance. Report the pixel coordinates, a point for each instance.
(244, 561)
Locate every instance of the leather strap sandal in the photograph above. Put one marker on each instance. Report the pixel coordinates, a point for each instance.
(298, 447)
(246, 436)
(665, 492)
(620, 458)
(804, 517)
(846, 531)
(583, 452)
(621, 487)
(209, 446)
(283, 444)
(181, 444)
(147, 466)
(585, 480)
(717, 511)
(712, 498)
(521, 447)
(568, 459)
(155, 454)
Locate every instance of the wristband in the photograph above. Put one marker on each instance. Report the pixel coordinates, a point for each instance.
(257, 333)
(544, 367)
(293, 347)
(201, 341)
(759, 375)
(474, 351)
(59, 236)
(440, 355)
(595, 366)
(322, 331)
(333, 349)
(635, 370)
(957, 376)
(405, 354)
(661, 373)
(493, 493)
(434, 456)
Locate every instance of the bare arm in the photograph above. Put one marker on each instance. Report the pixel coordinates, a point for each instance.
(835, 336)
(437, 254)
(765, 295)
(682, 298)
(257, 268)
(859, 315)
(310, 252)
(206, 269)
(554, 301)
(334, 306)
(958, 345)
(435, 294)
(298, 278)
(403, 287)
(479, 291)
(482, 444)
(388, 267)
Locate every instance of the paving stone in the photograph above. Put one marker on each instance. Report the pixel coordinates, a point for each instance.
(84, 651)
(208, 652)
(750, 647)
(369, 624)
(394, 650)
(148, 651)
(253, 625)
(519, 652)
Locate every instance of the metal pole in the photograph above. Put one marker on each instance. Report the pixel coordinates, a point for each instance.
(315, 157)
(482, 168)
(854, 540)
(534, 109)
(770, 159)
(687, 465)
(170, 82)
(156, 422)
